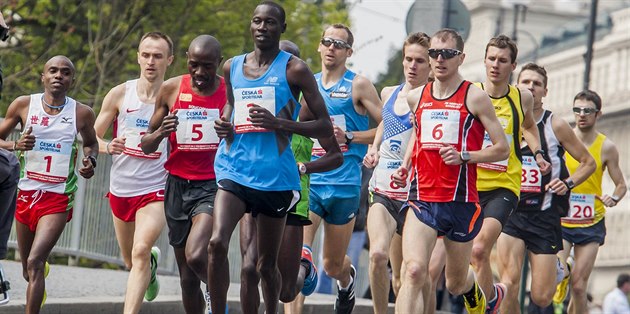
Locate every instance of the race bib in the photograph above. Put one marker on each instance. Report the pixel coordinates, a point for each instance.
(581, 208)
(195, 131)
(439, 126)
(338, 120)
(135, 127)
(497, 165)
(245, 98)
(49, 162)
(531, 178)
(383, 182)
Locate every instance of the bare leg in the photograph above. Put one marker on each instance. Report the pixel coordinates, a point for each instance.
(291, 268)
(192, 296)
(250, 297)
(482, 248)
(436, 266)
(511, 253)
(381, 228)
(395, 260)
(585, 256)
(268, 248)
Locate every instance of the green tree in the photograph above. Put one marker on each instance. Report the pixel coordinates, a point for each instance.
(394, 74)
(101, 36)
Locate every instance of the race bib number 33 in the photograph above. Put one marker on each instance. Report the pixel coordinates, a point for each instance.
(439, 126)
(245, 98)
(196, 129)
(531, 178)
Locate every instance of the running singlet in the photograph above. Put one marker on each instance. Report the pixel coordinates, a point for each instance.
(505, 173)
(443, 122)
(533, 196)
(585, 209)
(50, 165)
(338, 99)
(258, 158)
(397, 130)
(194, 145)
(133, 166)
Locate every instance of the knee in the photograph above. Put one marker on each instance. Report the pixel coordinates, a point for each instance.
(34, 266)
(333, 268)
(140, 254)
(456, 286)
(197, 259)
(288, 293)
(217, 248)
(188, 283)
(415, 273)
(578, 286)
(267, 267)
(378, 258)
(542, 298)
(249, 272)
(479, 254)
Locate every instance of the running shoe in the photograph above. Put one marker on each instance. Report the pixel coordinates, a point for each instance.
(46, 272)
(206, 296)
(310, 280)
(154, 285)
(5, 286)
(562, 289)
(499, 291)
(477, 305)
(345, 298)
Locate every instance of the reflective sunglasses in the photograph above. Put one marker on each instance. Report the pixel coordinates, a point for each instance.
(338, 44)
(445, 53)
(584, 111)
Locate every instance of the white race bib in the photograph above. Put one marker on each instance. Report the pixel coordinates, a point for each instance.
(338, 120)
(531, 178)
(135, 127)
(439, 126)
(49, 161)
(497, 165)
(195, 131)
(581, 208)
(383, 183)
(244, 98)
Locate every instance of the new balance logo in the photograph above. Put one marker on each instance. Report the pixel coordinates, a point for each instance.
(272, 80)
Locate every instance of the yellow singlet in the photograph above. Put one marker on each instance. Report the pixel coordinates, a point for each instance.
(505, 173)
(585, 209)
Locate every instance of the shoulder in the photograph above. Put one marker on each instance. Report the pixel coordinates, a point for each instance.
(560, 127)
(361, 82)
(22, 101)
(475, 93)
(609, 148)
(172, 84)
(84, 111)
(117, 92)
(387, 91)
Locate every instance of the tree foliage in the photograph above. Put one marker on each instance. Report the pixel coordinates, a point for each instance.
(394, 74)
(101, 36)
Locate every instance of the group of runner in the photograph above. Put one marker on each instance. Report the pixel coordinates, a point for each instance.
(458, 168)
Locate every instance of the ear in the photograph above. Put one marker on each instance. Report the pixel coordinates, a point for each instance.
(514, 66)
(284, 27)
(349, 52)
(170, 59)
(545, 94)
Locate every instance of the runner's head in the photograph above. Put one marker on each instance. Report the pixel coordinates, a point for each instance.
(623, 282)
(58, 75)
(290, 47)
(204, 57)
(534, 78)
(155, 54)
(500, 59)
(335, 47)
(446, 53)
(416, 66)
(587, 106)
(267, 25)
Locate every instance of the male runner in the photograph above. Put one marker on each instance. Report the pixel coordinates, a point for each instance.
(137, 210)
(450, 116)
(292, 268)
(499, 182)
(583, 229)
(9, 177)
(48, 150)
(256, 169)
(185, 109)
(385, 218)
(535, 225)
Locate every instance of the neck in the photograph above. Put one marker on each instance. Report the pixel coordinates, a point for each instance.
(208, 90)
(538, 111)
(496, 90)
(586, 135)
(331, 75)
(147, 91)
(266, 56)
(446, 88)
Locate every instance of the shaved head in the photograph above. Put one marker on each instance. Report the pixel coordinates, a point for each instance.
(290, 47)
(59, 59)
(205, 43)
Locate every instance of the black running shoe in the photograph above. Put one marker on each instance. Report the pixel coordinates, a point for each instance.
(345, 299)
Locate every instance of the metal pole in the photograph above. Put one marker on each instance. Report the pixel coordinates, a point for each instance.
(447, 14)
(517, 8)
(588, 57)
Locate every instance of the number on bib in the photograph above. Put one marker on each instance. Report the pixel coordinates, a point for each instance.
(439, 126)
(196, 130)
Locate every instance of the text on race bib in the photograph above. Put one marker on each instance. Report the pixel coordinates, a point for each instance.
(135, 127)
(581, 209)
(338, 120)
(383, 179)
(500, 166)
(195, 131)
(49, 161)
(438, 127)
(245, 98)
(531, 177)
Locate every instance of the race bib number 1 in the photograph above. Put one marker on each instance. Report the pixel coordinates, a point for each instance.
(439, 126)
(582, 208)
(49, 161)
(245, 98)
(531, 178)
(196, 129)
(338, 120)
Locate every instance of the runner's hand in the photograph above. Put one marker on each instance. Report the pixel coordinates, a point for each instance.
(545, 167)
(262, 118)
(87, 171)
(26, 141)
(340, 134)
(371, 158)
(400, 177)
(224, 128)
(450, 155)
(557, 186)
(169, 124)
(607, 200)
(116, 146)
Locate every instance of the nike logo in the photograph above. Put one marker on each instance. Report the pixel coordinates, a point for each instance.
(280, 209)
(553, 247)
(132, 110)
(159, 193)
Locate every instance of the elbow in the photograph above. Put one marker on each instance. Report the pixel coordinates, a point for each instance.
(590, 165)
(338, 159)
(504, 151)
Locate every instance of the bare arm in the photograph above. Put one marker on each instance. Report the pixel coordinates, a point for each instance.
(162, 124)
(223, 126)
(530, 130)
(332, 159)
(109, 111)
(610, 157)
(577, 150)
(87, 117)
(365, 95)
(16, 114)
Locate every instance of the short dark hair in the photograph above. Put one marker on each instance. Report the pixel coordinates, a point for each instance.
(418, 38)
(503, 42)
(622, 279)
(158, 35)
(589, 95)
(350, 40)
(448, 33)
(536, 68)
(278, 7)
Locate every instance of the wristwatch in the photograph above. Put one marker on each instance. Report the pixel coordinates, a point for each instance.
(349, 137)
(92, 160)
(541, 152)
(301, 168)
(615, 198)
(569, 183)
(464, 156)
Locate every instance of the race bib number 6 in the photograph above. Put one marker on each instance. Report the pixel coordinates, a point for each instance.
(245, 98)
(438, 127)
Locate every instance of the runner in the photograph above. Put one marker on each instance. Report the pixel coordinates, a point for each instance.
(9, 177)
(499, 182)
(185, 109)
(48, 150)
(584, 228)
(256, 169)
(137, 210)
(450, 116)
(535, 225)
(385, 220)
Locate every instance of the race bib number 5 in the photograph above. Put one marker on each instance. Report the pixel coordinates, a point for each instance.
(582, 208)
(245, 98)
(49, 161)
(531, 178)
(196, 129)
(438, 127)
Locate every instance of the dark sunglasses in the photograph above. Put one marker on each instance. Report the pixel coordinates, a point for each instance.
(584, 111)
(445, 53)
(338, 44)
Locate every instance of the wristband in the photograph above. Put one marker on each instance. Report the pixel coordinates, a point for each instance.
(92, 160)
(15, 146)
(107, 148)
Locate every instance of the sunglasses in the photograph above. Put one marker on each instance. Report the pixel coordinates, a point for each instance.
(584, 111)
(338, 44)
(445, 53)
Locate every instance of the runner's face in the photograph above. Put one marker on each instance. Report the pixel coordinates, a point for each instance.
(202, 67)
(499, 65)
(443, 68)
(535, 83)
(58, 76)
(582, 120)
(153, 58)
(416, 65)
(266, 27)
(334, 57)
